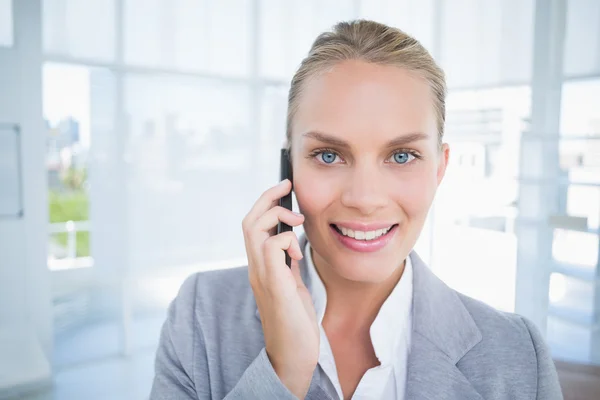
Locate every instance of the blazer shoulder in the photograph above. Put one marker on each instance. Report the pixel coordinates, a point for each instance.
(221, 293)
(512, 349)
(222, 279)
(492, 321)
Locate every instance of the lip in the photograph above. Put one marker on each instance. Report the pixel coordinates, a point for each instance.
(365, 246)
(364, 226)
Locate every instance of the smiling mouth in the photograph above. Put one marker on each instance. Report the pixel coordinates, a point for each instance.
(363, 235)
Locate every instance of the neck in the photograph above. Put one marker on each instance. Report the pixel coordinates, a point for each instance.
(353, 305)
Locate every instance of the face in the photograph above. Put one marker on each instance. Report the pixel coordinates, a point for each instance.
(366, 164)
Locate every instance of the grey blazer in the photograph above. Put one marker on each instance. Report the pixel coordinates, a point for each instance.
(212, 346)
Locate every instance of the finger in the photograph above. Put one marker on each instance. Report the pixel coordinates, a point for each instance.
(267, 200)
(271, 218)
(274, 247)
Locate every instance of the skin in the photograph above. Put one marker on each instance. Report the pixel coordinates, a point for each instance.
(354, 111)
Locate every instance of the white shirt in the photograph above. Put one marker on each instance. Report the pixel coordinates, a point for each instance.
(390, 335)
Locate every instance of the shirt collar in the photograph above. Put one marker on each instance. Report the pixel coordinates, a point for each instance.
(392, 324)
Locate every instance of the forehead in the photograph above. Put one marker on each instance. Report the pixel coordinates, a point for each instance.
(356, 97)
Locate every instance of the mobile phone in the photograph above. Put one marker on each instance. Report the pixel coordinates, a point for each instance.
(286, 201)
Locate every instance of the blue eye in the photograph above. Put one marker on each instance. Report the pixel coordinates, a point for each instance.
(328, 157)
(403, 157)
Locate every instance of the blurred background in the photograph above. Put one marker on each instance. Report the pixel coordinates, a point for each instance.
(136, 134)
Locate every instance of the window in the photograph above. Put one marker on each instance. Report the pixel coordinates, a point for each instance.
(78, 105)
(487, 43)
(66, 102)
(189, 35)
(582, 39)
(190, 153)
(476, 203)
(576, 230)
(80, 29)
(288, 28)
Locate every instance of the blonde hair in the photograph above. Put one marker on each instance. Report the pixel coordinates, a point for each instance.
(371, 42)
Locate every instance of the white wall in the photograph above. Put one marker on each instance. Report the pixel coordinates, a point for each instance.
(25, 307)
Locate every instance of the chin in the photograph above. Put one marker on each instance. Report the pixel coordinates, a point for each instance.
(365, 271)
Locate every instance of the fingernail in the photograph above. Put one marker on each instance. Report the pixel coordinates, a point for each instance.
(298, 214)
(283, 182)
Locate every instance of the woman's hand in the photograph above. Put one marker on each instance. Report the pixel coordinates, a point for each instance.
(286, 309)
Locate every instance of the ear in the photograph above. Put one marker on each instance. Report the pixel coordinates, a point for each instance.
(443, 162)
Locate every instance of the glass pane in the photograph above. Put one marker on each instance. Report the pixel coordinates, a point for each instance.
(575, 181)
(66, 111)
(190, 35)
(85, 290)
(580, 159)
(83, 29)
(579, 113)
(487, 43)
(572, 341)
(6, 23)
(288, 29)
(415, 17)
(191, 177)
(582, 41)
(186, 138)
(578, 248)
(572, 298)
(584, 202)
(580, 131)
(474, 244)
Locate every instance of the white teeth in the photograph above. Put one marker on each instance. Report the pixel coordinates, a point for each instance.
(362, 235)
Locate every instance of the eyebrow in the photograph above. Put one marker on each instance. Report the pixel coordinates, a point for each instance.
(396, 142)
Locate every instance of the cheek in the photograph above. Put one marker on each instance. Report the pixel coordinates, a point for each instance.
(314, 194)
(415, 193)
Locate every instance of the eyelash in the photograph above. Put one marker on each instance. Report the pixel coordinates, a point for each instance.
(413, 153)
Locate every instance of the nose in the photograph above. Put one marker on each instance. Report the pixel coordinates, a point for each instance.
(365, 190)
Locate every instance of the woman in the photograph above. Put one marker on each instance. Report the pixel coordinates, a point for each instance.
(359, 315)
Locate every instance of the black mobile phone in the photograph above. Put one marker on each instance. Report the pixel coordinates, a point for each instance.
(286, 201)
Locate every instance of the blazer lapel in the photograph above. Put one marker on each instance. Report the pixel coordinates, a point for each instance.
(432, 375)
(443, 332)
